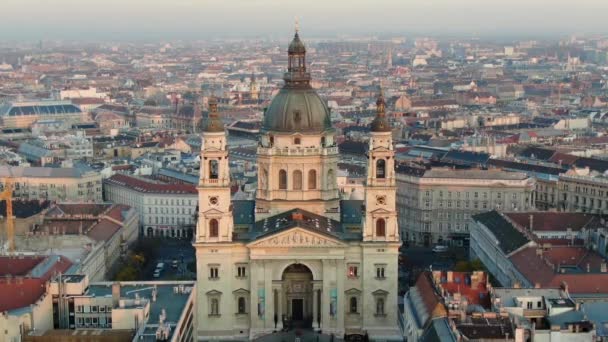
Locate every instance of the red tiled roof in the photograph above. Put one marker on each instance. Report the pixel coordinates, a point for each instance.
(553, 221)
(566, 159)
(150, 187)
(428, 294)
(17, 266)
(477, 293)
(19, 293)
(543, 269)
(103, 230)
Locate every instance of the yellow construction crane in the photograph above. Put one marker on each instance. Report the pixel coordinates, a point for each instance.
(7, 195)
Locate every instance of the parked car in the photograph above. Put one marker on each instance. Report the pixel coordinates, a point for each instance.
(440, 249)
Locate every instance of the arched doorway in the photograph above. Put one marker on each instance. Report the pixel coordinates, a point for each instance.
(298, 296)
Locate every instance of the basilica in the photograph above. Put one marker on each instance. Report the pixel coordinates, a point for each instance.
(304, 258)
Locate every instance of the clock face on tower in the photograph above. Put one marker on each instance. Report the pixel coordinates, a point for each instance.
(381, 200)
(213, 200)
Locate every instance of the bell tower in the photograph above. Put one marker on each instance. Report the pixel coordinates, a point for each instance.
(215, 223)
(380, 190)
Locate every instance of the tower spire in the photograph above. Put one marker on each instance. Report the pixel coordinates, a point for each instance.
(297, 25)
(380, 124)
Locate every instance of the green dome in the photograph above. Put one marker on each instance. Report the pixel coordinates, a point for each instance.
(297, 110)
(296, 45)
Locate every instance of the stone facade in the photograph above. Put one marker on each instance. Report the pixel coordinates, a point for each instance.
(296, 263)
(435, 206)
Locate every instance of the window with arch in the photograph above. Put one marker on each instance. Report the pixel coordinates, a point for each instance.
(213, 169)
(312, 179)
(241, 305)
(214, 228)
(215, 307)
(353, 305)
(380, 227)
(282, 180)
(297, 180)
(296, 141)
(380, 168)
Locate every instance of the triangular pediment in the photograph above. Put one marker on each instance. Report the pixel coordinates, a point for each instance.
(380, 211)
(212, 212)
(297, 237)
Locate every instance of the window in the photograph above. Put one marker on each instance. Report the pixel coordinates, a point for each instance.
(297, 180)
(380, 306)
(380, 168)
(215, 307)
(213, 169)
(381, 227)
(79, 308)
(353, 271)
(312, 179)
(214, 228)
(94, 308)
(214, 272)
(296, 141)
(353, 305)
(380, 272)
(283, 180)
(529, 304)
(241, 271)
(241, 305)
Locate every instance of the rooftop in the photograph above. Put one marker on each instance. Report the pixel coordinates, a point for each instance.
(508, 237)
(145, 186)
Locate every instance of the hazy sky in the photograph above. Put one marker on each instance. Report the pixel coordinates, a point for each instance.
(194, 19)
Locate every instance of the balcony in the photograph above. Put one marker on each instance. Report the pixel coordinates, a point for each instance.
(305, 151)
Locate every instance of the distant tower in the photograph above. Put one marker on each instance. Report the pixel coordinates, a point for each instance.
(254, 88)
(389, 59)
(380, 189)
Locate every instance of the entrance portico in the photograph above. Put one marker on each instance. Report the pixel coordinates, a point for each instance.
(303, 292)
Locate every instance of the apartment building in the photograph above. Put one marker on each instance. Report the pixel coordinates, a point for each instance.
(435, 206)
(165, 210)
(73, 184)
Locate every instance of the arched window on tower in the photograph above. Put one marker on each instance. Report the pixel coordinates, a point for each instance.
(213, 169)
(380, 227)
(283, 180)
(297, 180)
(312, 179)
(214, 228)
(380, 168)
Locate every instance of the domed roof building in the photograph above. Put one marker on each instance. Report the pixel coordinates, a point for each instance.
(297, 255)
(297, 107)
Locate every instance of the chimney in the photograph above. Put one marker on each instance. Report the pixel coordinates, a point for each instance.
(450, 277)
(537, 286)
(115, 294)
(516, 285)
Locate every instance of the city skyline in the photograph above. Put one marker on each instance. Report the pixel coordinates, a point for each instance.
(192, 20)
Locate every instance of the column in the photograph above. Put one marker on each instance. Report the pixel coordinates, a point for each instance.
(280, 308)
(315, 307)
(269, 312)
(341, 275)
